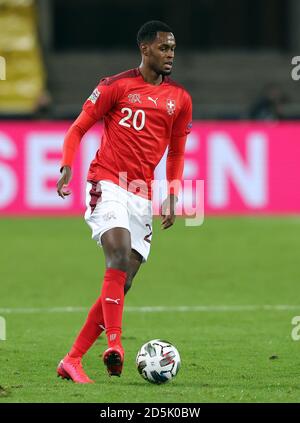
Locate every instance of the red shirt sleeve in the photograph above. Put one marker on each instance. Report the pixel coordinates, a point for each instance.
(103, 99)
(73, 137)
(175, 159)
(99, 103)
(183, 122)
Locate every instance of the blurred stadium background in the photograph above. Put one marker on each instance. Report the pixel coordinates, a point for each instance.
(234, 56)
(228, 51)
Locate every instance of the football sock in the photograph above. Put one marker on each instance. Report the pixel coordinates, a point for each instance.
(91, 330)
(112, 298)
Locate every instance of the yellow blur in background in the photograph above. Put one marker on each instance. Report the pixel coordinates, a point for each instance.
(19, 47)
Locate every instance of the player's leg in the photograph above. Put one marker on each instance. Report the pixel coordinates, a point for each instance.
(116, 245)
(112, 306)
(134, 264)
(106, 210)
(94, 325)
(96, 216)
(125, 250)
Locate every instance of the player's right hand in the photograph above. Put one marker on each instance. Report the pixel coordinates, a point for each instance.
(62, 183)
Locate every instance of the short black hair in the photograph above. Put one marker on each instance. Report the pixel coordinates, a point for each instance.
(148, 31)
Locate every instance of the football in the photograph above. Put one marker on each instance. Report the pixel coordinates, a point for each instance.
(158, 361)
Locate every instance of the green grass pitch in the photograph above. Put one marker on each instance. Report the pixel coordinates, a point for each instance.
(229, 354)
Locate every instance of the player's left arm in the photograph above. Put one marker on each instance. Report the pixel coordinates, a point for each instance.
(175, 161)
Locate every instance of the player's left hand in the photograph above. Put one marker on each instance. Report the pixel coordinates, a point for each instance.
(168, 211)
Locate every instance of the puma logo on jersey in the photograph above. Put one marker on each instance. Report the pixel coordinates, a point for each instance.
(154, 101)
(111, 300)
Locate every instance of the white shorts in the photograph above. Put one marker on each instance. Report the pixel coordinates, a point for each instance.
(110, 206)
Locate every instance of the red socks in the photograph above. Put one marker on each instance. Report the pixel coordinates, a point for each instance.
(109, 309)
(112, 297)
(91, 330)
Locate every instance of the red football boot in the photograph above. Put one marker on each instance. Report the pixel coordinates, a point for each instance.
(113, 359)
(71, 368)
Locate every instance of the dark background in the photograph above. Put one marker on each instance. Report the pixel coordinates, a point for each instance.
(199, 24)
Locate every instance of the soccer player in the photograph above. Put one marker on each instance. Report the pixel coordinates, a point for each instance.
(144, 112)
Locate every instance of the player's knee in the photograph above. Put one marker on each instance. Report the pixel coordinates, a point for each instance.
(119, 259)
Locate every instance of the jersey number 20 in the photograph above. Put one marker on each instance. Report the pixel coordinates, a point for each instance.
(139, 115)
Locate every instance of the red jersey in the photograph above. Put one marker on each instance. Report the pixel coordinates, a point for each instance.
(140, 121)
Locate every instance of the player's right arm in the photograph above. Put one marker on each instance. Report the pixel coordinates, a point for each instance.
(97, 105)
(71, 143)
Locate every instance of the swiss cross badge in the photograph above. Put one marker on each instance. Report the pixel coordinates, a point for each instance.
(134, 98)
(171, 106)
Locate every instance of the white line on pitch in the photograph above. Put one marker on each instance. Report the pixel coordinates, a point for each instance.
(158, 309)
